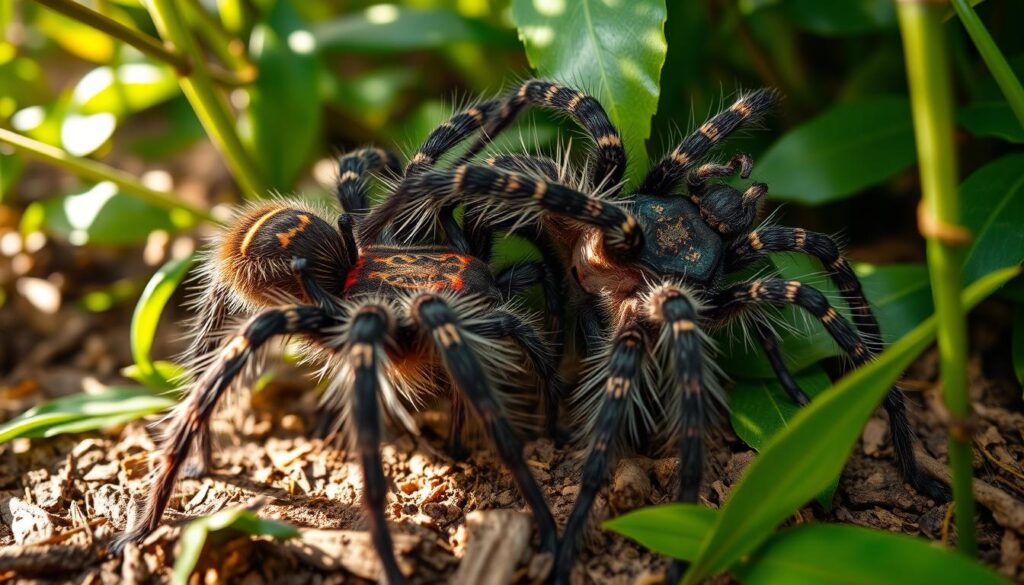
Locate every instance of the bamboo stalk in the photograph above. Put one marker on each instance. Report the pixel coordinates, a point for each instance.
(209, 105)
(98, 171)
(931, 95)
(993, 57)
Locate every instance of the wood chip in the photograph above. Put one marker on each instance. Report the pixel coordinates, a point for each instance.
(496, 542)
(351, 550)
(29, 523)
(1006, 509)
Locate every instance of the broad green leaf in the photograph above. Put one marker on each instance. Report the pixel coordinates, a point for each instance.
(840, 18)
(759, 409)
(1018, 343)
(835, 554)
(11, 167)
(373, 97)
(101, 215)
(802, 460)
(993, 209)
(387, 28)
(134, 87)
(194, 536)
(848, 148)
(613, 50)
(674, 530)
(991, 119)
(146, 318)
(84, 412)
(284, 115)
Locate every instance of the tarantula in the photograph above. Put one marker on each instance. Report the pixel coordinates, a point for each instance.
(651, 271)
(391, 324)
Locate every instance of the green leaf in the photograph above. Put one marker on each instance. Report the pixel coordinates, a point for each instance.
(146, 318)
(1018, 343)
(388, 28)
(101, 215)
(134, 87)
(993, 209)
(759, 409)
(284, 115)
(674, 530)
(195, 534)
(614, 50)
(844, 150)
(845, 17)
(84, 412)
(802, 460)
(833, 554)
(75, 37)
(991, 119)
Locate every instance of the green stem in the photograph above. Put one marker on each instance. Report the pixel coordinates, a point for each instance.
(994, 59)
(141, 41)
(209, 105)
(931, 95)
(229, 49)
(97, 171)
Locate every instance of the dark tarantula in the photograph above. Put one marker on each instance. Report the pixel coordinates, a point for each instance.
(651, 271)
(389, 322)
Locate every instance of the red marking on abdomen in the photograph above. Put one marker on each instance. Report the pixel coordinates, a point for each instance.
(353, 274)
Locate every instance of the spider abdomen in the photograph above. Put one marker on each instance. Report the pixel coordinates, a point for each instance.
(392, 269)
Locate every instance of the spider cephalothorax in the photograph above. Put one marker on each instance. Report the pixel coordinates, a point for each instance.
(650, 272)
(390, 324)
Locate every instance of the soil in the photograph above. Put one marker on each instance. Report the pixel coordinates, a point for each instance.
(62, 498)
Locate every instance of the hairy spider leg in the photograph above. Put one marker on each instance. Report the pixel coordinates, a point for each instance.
(197, 409)
(666, 176)
(770, 344)
(435, 316)
(584, 109)
(516, 193)
(778, 291)
(366, 337)
(627, 355)
(352, 190)
(759, 243)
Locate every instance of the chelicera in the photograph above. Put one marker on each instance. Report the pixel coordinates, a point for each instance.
(650, 272)
(392, 325)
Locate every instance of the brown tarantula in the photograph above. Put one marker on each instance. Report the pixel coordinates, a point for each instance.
(392, 325)
(651, 268)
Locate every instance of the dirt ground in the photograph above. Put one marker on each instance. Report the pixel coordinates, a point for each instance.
(62, 498)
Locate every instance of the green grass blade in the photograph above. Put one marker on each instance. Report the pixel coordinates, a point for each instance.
(674, 530)
(146, 318)
(801, 461)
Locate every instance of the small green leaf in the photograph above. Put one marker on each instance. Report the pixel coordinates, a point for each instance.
(991, 119)
(1018, 343)
(146, 318)
(75, 37)
(803, 459)
(674, 530)
(993, 209)
(166, 372)
(848, 148)
(842, 18)
(84, 412)
(613, 50)
(388, 28)
(194, 536)
(834, 554)
(101, 215)
(284, 115)
(134, 87)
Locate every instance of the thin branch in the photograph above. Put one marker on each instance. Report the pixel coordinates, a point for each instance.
(97, 171)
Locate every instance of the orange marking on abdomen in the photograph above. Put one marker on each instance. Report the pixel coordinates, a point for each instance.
(286, 237)
(251, 232)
